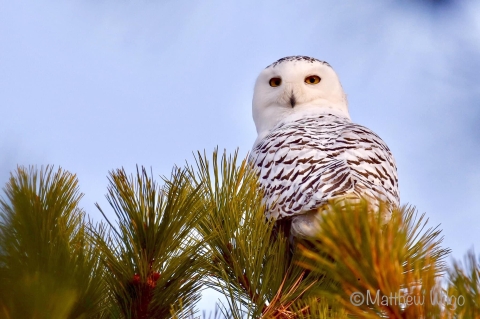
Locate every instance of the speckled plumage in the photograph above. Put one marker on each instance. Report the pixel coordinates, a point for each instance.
(304, 163)
(308, 151)
(296, 58)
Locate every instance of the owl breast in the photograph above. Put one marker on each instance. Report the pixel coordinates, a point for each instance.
(304, 163)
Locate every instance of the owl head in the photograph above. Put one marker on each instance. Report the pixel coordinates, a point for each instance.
(294, 87)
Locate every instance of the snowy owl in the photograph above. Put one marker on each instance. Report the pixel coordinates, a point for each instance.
(308, 151)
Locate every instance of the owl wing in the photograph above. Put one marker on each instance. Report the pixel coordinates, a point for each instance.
(304, 163)
(371, 163)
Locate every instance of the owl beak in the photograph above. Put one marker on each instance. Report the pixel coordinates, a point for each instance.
(293, 100)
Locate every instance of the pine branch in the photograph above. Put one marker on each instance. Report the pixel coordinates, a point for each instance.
(465, 287)
(249, 262)
(368, 258)
(151, 255)
(49, 269)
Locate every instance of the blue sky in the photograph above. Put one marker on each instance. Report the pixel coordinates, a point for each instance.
(97, 85)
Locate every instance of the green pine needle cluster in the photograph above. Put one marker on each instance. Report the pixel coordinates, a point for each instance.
(48, 266)
(366, 256)
(151, 256)
(204, 226)
(247, 260)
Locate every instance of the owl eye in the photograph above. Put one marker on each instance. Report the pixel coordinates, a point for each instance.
(275, 82)
(312, 79)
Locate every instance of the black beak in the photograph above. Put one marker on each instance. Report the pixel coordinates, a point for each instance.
(293, 100)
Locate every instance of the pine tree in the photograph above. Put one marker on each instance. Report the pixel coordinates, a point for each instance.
(204, 226)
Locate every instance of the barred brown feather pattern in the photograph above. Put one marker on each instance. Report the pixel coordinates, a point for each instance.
(303, 163)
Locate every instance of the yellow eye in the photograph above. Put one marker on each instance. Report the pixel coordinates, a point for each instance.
(312, 79)
(275, 82)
